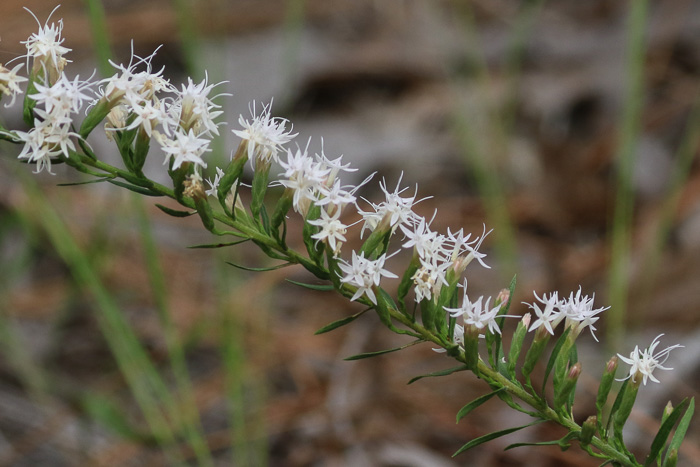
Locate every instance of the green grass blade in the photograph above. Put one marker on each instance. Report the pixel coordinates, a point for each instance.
(142, 377)
(183, 408)
(630, 127)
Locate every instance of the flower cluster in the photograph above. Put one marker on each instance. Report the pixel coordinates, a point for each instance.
(644, 362)
(139, 106)
(577, 311)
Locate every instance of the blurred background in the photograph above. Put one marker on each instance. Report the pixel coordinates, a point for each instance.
(570, 128)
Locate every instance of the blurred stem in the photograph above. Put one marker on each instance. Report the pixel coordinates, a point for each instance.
(190, 418)
(145, 383)
(100, 35)
(484, 158)
(16, 352)
(293, 26)
(625, 157)
(684, 160)
(189, 36)
(234, 366)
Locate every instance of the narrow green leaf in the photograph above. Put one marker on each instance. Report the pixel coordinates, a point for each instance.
(104, 411)
(516, 345)
(205, 213)
(384, 301)
(134, 188)
(681, 430)
(491, 436)
(563, 443)
(320, 287)
(553, 357)
(87, 182)
(664, 432)
(29, 103)
(218, 245)
(382, 352)
(434, 374)
(271, 268)
(175, 212)
(616, 404)
(476, 402)
(340, 322)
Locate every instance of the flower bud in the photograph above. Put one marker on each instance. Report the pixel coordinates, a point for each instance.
(588, 430)
(194, 188)
(563, 390)
(503, 297)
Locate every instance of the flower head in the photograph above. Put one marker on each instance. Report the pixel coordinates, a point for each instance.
(10, 81)
(332, 230)
(644, 362)
(45, 48)
(185, 148)
(478, 315)
(550, 316)
(265, 135)
(196, 109)
(579, 312)
(364, 273)
(392, 212)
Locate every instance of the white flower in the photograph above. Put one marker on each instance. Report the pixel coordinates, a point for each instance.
(428, 280)
(46, 49)
(128, 85)
(478, 315)
(550, 316)
(364, 274)
(579, 312)
(265, 134)
(147, 116)
(10, 81)
(303, 176)
(185, 148)
(336, 196)
(195, 109)
(214, 186)
(394, 211)
(63, 97)
(332, 230)
(425, 241)
(462, 245)
(643, 363)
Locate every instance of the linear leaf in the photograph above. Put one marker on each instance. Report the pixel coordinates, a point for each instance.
(217, 245)
(476, 403)
(271, 268)
(134, 188)
(340, 322)
(446, 372)
(382, 352)
(175, 212)
(87, 182)
(319, 287)
(664, 431)
(491, 436)
(681, 430)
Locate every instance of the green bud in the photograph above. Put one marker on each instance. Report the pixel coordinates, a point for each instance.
(284, 204)
(588, 430)
(563, 389)
(98, 113)
(259, 186)
(606, 382)
(671, 458)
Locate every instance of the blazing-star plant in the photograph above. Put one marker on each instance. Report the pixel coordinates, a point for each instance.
(138, 107)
